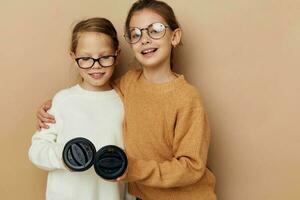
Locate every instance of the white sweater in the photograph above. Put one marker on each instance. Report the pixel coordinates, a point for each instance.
(97, 116)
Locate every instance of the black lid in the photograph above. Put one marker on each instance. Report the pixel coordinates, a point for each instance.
(79, 153)
(110, 162)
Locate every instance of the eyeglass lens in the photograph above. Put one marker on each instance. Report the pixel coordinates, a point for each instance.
(155, 31)
(88, 62)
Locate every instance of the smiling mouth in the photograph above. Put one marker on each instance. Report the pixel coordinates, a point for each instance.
(148, 51)
(97, 75)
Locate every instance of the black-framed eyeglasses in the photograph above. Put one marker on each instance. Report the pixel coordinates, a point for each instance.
(155, 31)
(88, 62)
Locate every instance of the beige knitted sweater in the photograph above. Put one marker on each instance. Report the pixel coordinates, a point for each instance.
(166, 136)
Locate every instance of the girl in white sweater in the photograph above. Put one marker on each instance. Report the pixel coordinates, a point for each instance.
(91, 109)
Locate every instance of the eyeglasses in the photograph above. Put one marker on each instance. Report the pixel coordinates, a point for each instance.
(155, 31)
(88, 62)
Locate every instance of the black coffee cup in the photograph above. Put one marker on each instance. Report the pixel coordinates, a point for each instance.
(110, 162)
(79, 154)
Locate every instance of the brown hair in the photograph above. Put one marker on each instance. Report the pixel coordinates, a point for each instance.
(98, 25)
(161, 8)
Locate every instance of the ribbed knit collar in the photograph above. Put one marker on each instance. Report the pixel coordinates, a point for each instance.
(96, 94)
(176, 83)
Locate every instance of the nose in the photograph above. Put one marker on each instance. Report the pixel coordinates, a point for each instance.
(145, 37)
(97, 64)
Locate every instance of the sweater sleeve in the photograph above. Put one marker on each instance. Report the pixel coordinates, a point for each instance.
(121, 84)
(190, 148)
(45, 152)
(116, 85)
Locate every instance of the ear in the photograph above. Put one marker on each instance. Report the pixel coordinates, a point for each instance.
(176, 37)
(118, 52)
(72, 54)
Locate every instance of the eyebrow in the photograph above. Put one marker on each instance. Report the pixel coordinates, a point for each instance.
(149, 25)
(100, 55)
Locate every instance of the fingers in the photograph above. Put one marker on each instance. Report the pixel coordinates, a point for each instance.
(44, 114)
(45, 107)
(45, 117)
(38, 126)
(41, 125)
(121, 177)
(48, 103)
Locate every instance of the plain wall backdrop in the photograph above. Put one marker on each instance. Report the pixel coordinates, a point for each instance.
(241, 55)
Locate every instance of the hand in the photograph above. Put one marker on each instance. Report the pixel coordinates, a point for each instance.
(121, 178)
(43, 117)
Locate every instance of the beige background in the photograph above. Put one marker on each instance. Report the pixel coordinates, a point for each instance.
(241, 55)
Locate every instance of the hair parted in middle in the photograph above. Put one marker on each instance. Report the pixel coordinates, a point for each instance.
(97, 25)
(159, 7)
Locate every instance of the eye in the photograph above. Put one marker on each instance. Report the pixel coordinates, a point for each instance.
(154, 31)
(135, 33)
(107, 57)
(85, 58)
(157, 27)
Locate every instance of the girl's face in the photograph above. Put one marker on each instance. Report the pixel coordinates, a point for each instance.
(153, 52)
(95, 45)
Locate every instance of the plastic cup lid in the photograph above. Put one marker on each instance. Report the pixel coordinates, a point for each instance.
(79, 154)
(110, 162)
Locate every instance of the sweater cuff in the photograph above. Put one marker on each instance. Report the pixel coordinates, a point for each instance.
(131, 169)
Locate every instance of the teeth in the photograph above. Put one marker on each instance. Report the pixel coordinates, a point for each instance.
(97, 75)
(148, 51)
